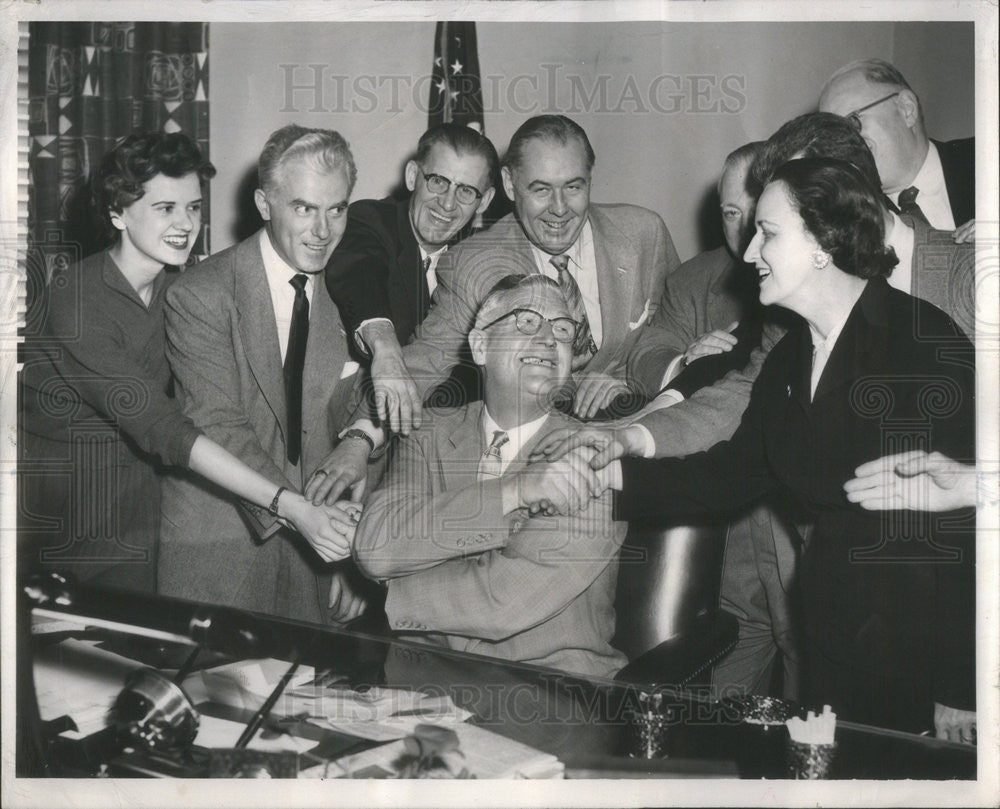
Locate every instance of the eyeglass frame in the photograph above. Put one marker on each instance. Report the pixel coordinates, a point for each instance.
(459, 187)
(854, 116)
(550, 320)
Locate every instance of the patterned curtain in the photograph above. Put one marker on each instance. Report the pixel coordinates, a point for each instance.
(90, 84)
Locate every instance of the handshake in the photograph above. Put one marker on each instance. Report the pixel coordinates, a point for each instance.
(562, 486)
(329, 529)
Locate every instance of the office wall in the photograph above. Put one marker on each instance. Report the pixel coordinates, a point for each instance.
(662, 102)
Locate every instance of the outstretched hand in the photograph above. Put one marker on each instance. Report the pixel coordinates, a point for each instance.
(915, 481)
(610, 443)
(596, 391)
(711, 342)
(565, 486)
(344, 469)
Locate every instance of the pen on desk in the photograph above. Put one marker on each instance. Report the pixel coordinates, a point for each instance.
(258, 718)
(186, 666)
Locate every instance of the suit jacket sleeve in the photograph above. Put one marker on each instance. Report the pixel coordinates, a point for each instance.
(357, 276)
(713, 413)
(201, 354)
(730, 475)
(407, 526)
(494, 595)
(709, 370)
(667, 335)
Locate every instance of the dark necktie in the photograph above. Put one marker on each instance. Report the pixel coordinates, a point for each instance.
(295, 358)
(908, 204)
(491, 462)
(584, 344)
(425, 285)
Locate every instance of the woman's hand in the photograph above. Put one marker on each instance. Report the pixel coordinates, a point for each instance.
(916, 481)
(329, 529)
(610, 443)
(954, 724)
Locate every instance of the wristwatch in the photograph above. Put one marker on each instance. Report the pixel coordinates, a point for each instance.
(354, 432)
(273, 508)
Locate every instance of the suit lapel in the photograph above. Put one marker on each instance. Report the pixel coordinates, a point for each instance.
(257, 327)
(617, 271)
(326, 353)
(459, 445)
(408, 262)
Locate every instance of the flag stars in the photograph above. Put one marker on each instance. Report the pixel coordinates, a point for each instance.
(456, 66)
(442, 86)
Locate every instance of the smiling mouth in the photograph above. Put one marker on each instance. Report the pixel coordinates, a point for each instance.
(440, 218)
(176, 242)
(762, 273)
(538, 361)
(319, 248)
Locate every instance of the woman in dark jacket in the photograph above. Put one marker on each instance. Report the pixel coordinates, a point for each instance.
(887, 597)
(98, 424)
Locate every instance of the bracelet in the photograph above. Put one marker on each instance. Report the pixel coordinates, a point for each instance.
(354, 432)
(273, 508)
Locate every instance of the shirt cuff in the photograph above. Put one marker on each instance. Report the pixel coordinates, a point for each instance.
(359, 340)
(672, 370)
(610, 476)
(648, 443)
(367, 426)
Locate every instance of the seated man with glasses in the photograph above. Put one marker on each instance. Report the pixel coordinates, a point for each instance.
(383, 273)
(467, 564)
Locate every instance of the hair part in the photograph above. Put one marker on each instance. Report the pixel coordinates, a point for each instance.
(843, 212)
(323, 149)
(462, 140)
(554, 128)
(135, 160)
(815, 134)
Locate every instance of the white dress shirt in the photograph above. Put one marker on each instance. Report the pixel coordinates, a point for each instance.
(822, 346)
(517, 437)
(279, 275)
(583, 268)
(933, 193)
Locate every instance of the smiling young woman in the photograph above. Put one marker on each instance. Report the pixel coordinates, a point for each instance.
(99, 425)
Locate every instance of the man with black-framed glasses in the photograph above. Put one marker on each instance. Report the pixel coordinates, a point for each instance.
(383, 273)
(468, 563)
(928, 179)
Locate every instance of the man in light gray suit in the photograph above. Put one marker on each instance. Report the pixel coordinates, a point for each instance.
(468, 565)
(257, 351)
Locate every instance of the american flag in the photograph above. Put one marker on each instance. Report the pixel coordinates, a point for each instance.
(456, 93)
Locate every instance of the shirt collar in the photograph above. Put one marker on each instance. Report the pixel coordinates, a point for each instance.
(517, 436)
(930, 178)
(278, 271)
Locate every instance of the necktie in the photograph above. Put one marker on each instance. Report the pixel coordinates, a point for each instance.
(295, 357)
(584, 344)
(429, 286)
(491, 463)
(908, 204)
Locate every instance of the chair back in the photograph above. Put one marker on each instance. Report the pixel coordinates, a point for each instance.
(668, 578)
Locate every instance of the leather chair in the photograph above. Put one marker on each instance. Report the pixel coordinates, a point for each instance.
(668, 622)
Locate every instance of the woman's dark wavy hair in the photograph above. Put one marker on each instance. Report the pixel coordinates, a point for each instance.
(842, 211)
(135, 160)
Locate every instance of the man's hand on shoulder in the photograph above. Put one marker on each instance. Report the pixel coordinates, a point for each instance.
(344, 468)
(595, 391)
(397, 400)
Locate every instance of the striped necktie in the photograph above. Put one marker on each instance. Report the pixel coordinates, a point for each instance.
(584, 345)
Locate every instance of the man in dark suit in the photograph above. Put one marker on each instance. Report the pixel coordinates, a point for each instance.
(256, 350)
(467, 565)
(930, 179)
(384, 271)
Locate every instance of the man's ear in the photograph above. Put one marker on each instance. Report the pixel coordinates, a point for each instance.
(484, 203)
(410, 174)
(508, 182)
(908, 105)
(477, 345)
(260, 200)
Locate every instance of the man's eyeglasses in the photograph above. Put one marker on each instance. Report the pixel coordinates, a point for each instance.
(855, 115)
(438, 184)
(528, 321)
